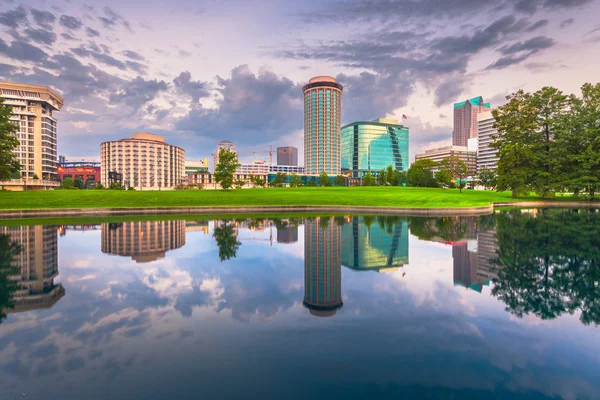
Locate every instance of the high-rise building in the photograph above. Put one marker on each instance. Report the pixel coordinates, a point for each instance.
(487, 156)
(322, 125)
(322, 266)
(223, 144)
(465, 119)
(145, 161)
(370, 146)
(287, 156)
(32, 111)
(37, 265)
(462, 153)
(374, 247)
(144, 241)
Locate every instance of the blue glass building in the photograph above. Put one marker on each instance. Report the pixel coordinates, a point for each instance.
(370, 146)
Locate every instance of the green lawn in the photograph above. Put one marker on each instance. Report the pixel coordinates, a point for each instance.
(348, 196)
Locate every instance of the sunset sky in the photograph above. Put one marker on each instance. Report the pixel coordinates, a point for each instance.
(199, 72)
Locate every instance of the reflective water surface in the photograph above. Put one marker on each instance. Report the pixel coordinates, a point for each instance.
(501, 306)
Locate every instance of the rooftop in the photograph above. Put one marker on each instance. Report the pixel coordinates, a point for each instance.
(39, 93)
(476, 101)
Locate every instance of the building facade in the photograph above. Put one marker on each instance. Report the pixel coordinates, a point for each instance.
(145, 161)
(143, 241)
(322, 266)
(223, 144)
(465, 120)
(437, 155)
(32, 111)
(86, 171)
(370, 146)
(287, 156)
(192, 167)
(487, 156)
(37, 265)
(322, 125)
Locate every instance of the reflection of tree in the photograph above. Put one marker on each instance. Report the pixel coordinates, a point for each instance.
(226, 241)
(8, 251)
(549, 263)
(448, 229)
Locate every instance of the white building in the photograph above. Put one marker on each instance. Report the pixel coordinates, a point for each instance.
(487, 157)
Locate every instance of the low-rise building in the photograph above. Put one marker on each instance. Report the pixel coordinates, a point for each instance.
(487, 156)
(192, 166)
(463, 153)
(86, 171)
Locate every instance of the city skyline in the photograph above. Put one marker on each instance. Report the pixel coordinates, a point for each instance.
(121, 71)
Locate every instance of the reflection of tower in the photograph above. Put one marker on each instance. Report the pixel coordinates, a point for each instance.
(465, 267)
(288, 234)
(143, 241)
(473, 268)
(38, 265)
(322, 267)
(374, 247)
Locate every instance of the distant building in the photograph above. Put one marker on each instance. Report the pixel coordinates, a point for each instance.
(288, 234)
(32, 111)
(370, 146)
(86, 171)
(143, 241)
(473, 261)
(465, 120)
(487, 156)
(287, 156)
(192, 167)
(146, 161)
(373, 247)
(37, 265)
(322, 267)
(437, 155)
(223, 144)
(322, 125)
(288, 169)
(62, 159)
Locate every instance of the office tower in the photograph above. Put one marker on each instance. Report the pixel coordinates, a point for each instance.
(223, 144)
(370, 146)
(144, 241)
(462, 153)
(322, 125)
(145, 161)
(287, 156)
(322, 266)
(33, 108)
(287, 234)
(375, 247)
(487, 156)
(465, 119)
(37, 265)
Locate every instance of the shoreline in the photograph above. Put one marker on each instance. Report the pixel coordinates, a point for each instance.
(48, 213)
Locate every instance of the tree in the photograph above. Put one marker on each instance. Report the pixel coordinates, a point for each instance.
(443, 177)
(67, 183)
(228, 164)
(420, 173)
(295, 181)
(401, 178)
(257, 181)
(369, 180)
(381, 177)
(226, 240)
(8, 143)
(324, 179)
(35, 176)
(312, 182)
(239, 183)
(279, 180)
(340, 180)
(487, 178)
(390, 176)
(456, 168)
(99, 186)
(78, 183)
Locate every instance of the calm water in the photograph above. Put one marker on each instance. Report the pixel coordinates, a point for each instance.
(503, 306)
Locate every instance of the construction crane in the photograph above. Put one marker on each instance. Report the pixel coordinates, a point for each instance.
(270, 151)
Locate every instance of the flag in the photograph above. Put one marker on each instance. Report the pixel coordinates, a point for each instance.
(404, 116)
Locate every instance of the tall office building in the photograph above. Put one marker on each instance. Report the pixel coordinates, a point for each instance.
(370, 146)
(33, 108)
(465, 119)
(487, 156)
(287, 156)
(322, 125)
(322, 266)
(37, 265)
(142, 241)
(223, 144)
(145, 161)
(375, 247)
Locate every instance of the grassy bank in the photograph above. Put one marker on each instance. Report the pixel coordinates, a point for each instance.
(342, 196)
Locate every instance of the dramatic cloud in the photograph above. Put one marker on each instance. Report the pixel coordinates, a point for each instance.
(133, 55)
(22, 51)
(70, 22)
(14, 18)
(195, 89)
(566, 22)
(41, 36)
(43, 18)
(540, 24)
(534, 44)
(92, 32)
(137, 93)
(112, 18)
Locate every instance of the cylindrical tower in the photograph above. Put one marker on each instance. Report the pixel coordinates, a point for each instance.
(322, 266)
(322, 125)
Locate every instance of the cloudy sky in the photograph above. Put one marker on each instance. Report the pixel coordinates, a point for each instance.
(201, 71)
